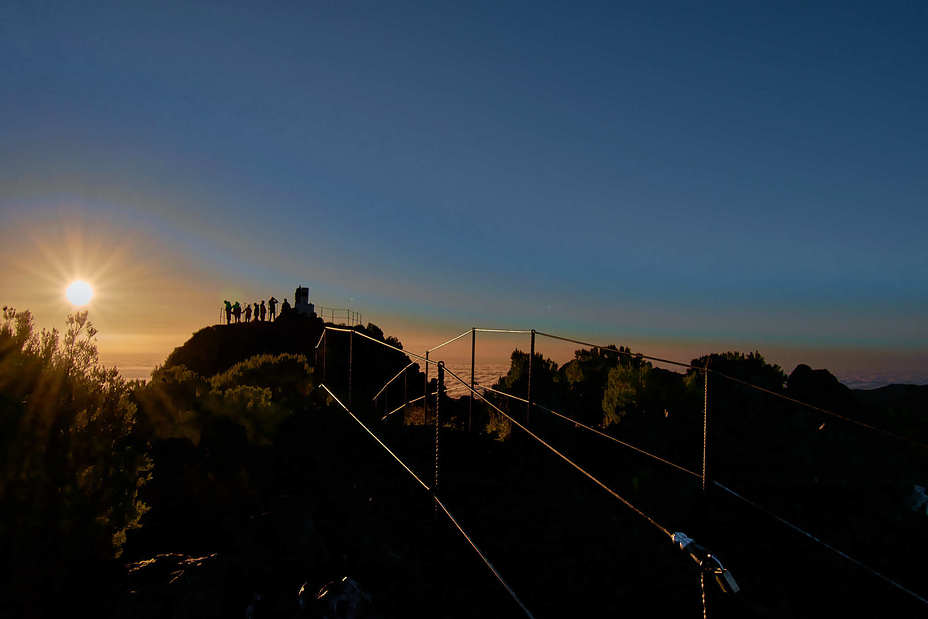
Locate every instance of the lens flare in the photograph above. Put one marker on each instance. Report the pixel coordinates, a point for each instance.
(79, 293)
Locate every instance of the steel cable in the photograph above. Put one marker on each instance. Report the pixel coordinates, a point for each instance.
(628, 504)
(661, 360)
(589, 475)
(454, 339)
(819, 541)
(438, 502)
(599, 432)
(618, 352)
(742, 382)
(398, 374)
(402, 406)
(486, 561)
(819, 409)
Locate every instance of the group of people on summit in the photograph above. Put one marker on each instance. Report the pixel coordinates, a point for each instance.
(259, 313)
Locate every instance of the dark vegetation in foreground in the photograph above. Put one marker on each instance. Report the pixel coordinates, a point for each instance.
(231, 474)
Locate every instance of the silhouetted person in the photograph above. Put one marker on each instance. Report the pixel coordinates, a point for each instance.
(272, 306)
(228, 312)
(237, 311)
(263, 310)
(256, 311)
(284, 307)
(247, 313)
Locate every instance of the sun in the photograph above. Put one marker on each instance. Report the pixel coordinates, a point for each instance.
(79, 293)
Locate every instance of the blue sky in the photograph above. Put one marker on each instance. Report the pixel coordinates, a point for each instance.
(729, 175)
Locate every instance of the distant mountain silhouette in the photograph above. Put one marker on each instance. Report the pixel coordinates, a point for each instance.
(908, 397)
(898, 408)
(899, 405)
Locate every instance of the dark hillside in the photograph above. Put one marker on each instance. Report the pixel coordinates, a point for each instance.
(215, 349)
(904, 407)
(229, 481)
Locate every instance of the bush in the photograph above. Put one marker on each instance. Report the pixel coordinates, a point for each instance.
(256, 394)
(71, 469)
(288, 376)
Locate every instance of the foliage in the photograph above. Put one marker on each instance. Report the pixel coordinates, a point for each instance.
(71, 469)
(585, 378)
(751, 367)
(625, 388)
(544, 375)
(394, 341)
(374, 331)
(498, 426)
(249, 407)
(545, 386)
(288, 376)
(169, 403)
(256, 394)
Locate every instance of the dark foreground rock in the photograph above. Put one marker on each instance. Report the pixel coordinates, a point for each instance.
(181, 586)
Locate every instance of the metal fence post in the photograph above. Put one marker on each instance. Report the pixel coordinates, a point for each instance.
(705, 430)
(470, 405)
(350, 362)
(441, 385)
(405, 391)
(425, 392)
(531, 359)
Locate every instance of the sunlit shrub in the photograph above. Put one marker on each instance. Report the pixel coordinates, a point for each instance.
(71, 468)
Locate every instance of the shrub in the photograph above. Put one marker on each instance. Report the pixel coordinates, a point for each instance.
(71, 468)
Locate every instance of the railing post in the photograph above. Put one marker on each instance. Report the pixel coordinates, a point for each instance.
(324, 333)
(531, 359)
(441, 385)
(425, 392)
(405, 391)
(473, 351)
(350, 362)
(705, 430)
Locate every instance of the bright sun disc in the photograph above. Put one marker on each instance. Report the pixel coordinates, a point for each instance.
(79, 293)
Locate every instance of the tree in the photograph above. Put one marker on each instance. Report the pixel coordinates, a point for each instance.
(625, 390)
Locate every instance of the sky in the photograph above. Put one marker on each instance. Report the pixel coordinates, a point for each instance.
(678, 177)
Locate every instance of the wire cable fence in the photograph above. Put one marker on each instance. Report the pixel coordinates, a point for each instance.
(751, 503)
(796, 528)
(580, 424)
(474, 392)
(782, 396)
(576, 466)
(439, 504)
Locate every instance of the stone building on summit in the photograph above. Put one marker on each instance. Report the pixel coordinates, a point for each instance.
(301, 302)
